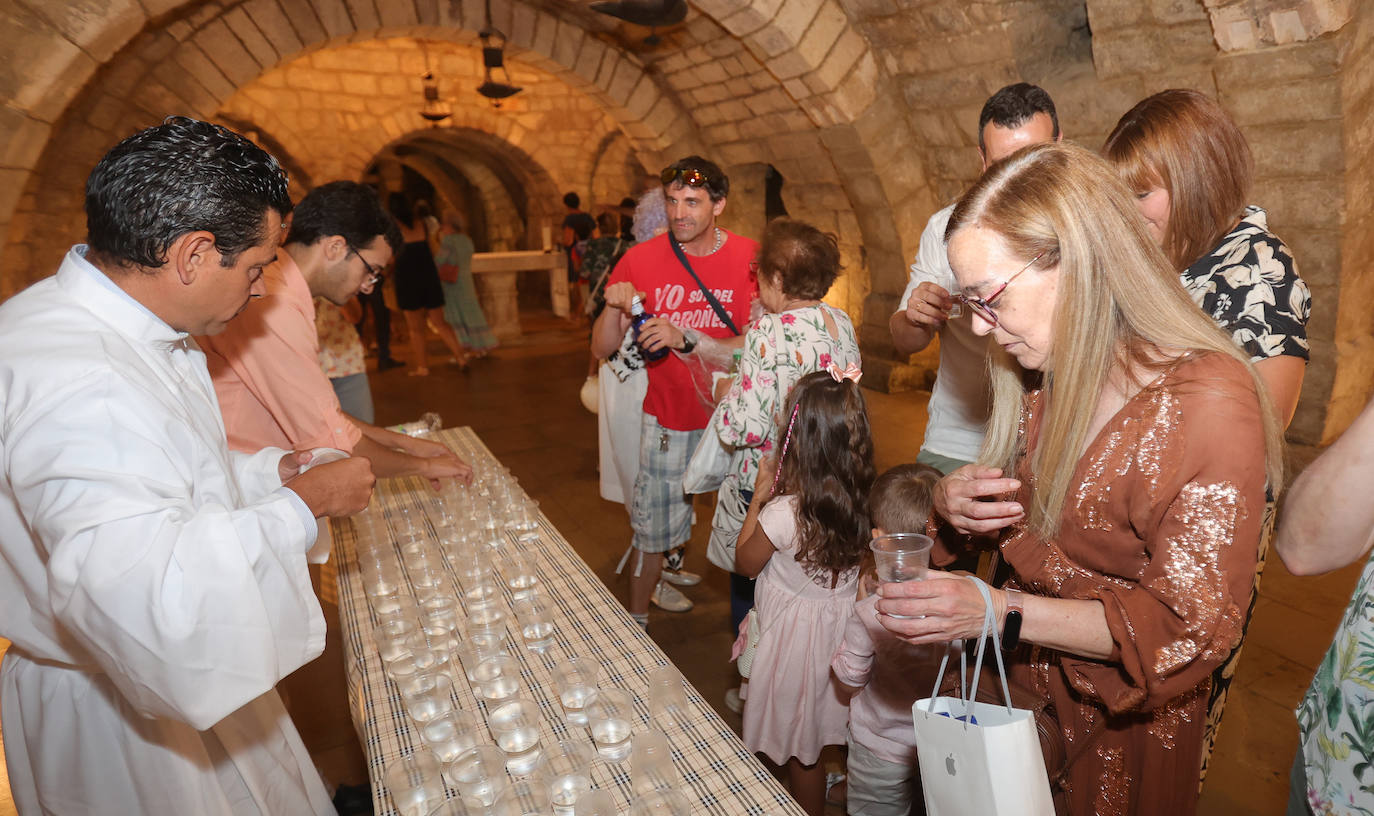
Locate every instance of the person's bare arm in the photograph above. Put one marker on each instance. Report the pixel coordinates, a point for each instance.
(1325, 523)
(1282, 377)
(610, 327)
(395, 454)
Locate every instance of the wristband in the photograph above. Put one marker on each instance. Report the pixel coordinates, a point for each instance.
(1011, 625)
(687, 344)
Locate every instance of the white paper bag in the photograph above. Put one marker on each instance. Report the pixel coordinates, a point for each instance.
(708, 465)
(989, 763)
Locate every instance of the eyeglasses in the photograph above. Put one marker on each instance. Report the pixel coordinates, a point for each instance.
(983, 306)
(691, 177)
(374, 275)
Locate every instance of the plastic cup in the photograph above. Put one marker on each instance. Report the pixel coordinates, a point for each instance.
(399, 606)
(449, 735)
(415, 783)
(520, 575)
(392, 638)
(661, 803)
(651, 763)
(667, 697)
(610, 718)
(568, 766)
(526, 797)
(427, 696)
(479, 775)
(535, 617)
(596, 803)
(498, 678)
(575, 680)
(901, 556)
(514, 726)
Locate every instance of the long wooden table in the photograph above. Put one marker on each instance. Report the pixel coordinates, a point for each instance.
(720, 776)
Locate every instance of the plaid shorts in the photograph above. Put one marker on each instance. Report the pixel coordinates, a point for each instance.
(660, 513)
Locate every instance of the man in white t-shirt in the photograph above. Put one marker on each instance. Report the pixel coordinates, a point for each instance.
(1016, 116)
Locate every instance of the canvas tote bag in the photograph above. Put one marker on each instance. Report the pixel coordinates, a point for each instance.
(979, 757)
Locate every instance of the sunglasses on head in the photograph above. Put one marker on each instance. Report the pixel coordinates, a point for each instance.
(691, 177)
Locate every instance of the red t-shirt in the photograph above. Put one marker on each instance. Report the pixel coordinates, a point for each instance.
(653, 268)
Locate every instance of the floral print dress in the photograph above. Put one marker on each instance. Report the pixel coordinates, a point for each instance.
(779, 349)
(1336, 718)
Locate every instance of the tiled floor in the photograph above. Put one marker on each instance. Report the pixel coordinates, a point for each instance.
(523, 402)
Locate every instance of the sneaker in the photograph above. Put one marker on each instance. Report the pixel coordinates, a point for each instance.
(668, 599)
(681, 577)
(733, 701)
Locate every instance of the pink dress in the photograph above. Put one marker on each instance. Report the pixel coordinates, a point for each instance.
(795, 707)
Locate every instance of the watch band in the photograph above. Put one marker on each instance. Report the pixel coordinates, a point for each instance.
(1011, 625)
(687, 344)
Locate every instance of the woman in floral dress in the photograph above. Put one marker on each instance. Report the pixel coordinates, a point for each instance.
(796, 266)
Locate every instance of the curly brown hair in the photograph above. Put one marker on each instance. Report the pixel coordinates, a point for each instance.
(827, 463)
(803, 260)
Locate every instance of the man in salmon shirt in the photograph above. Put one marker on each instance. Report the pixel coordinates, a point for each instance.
(674, 414)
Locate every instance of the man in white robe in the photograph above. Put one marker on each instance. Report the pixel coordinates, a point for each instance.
(154, 584)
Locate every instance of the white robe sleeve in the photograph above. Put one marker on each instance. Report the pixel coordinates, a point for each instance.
(257, 472)
(192, 606)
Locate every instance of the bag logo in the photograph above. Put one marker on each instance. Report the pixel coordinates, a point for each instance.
(949, 765)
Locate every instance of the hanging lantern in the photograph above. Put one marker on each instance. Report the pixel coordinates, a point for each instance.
(435, 109)
(493, 60)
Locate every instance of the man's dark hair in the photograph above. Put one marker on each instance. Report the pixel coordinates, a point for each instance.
(572, 200)
(344, 208)
(1012, 106)
(717, 183)
(181, 176)
(608, 223)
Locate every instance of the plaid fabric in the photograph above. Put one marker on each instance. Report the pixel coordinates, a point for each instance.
(660, 513)
(720, 776)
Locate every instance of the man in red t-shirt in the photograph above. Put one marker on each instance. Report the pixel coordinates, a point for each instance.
(674, 413)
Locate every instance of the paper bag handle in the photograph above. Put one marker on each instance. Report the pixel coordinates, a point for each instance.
(989, 627)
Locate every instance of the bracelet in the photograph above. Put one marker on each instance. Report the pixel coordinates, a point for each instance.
(687, 344)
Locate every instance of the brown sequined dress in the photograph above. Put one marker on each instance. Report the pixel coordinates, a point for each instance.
(1163, 527)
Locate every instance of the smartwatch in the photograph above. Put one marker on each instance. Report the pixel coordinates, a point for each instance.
(1011, 625)
(687, 344)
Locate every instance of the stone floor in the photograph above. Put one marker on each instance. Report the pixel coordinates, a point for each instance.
(523, 402)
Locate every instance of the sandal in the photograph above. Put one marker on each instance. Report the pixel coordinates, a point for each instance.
(836, 789)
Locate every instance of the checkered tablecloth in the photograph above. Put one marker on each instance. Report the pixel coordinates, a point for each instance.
(720, 775)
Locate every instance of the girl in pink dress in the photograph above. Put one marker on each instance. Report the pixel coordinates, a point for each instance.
(805, 545)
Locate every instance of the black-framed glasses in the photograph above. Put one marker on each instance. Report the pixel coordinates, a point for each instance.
(691, 176)
(983, 306)
(374, 274)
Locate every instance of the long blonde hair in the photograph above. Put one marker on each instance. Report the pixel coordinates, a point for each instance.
(1119, 305)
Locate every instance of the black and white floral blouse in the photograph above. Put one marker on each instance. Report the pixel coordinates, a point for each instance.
(1249, 285)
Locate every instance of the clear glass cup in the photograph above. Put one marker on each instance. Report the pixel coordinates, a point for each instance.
(476, 648)
(440, 612)
(450, 734)
(574, 680)
(382, 578)
(596, 803)
(651, 763)
(901, 557)
(415, 783)
(667, 697)
(428, 575)
(480, 594)
(568, 767)
(514, 725)
(479, 775)
(419, 658)
(427, 696)
(661, 803)
(535, 615)
(498, 678)
(611, 718)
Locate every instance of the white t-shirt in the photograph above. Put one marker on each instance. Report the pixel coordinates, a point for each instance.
(959, 402)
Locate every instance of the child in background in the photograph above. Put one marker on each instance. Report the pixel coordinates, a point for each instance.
(805, 545)
(888, 673)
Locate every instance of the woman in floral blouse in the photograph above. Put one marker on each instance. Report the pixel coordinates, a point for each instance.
(1190, 168)
(799, 334)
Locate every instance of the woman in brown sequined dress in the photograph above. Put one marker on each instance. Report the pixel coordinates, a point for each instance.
(1133, 521)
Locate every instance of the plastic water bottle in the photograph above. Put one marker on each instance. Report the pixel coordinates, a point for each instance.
(637, 319)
